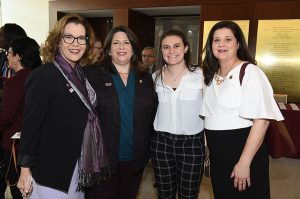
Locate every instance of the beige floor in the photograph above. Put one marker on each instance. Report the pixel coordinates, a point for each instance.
(284, 177)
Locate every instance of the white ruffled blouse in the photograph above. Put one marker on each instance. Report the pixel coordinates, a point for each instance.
(230, 105)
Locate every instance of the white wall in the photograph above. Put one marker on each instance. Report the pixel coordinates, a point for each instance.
(32, 15)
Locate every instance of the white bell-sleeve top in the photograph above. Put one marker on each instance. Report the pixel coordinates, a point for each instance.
(231, 105)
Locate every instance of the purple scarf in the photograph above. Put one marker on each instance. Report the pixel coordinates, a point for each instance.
(92, 163)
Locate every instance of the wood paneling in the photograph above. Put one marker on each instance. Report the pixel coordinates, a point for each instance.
(278, 10)
(143, 26)
(252, 10)
(101, 26)
(75, 5)
(120, 17)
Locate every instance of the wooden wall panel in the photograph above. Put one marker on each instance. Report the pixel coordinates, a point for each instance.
(252, 10)
(101, 26)
(143, 26)
(120, 17)
(278, 10)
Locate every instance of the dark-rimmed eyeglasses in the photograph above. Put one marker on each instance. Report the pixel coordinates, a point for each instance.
(69, 39)
(147, 56)
(9, 52)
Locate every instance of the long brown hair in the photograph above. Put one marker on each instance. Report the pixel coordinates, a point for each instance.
(187, 56)
(210, 63)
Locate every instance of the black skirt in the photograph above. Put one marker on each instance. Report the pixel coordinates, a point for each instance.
(225, 148)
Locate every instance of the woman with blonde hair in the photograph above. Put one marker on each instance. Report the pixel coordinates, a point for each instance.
(61, 149)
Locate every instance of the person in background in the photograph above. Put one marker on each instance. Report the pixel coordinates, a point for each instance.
(8, 32)
(177, 148)
(61, 150)
(23, 55)
(237, 115)
(149, 58)
(97, 52)
(126, 110)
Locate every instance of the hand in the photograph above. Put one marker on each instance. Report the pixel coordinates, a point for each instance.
(241, 175)
(25, 182)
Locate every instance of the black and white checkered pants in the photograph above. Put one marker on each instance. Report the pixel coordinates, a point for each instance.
(178, 164)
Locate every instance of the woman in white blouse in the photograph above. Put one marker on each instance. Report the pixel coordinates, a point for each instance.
(237, 111)
(177, 148)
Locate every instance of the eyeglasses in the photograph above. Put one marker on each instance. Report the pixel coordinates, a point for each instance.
(69, 39)
(8, 52)
(147, 56)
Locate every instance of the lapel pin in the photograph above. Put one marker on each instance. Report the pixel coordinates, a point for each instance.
(71, 90)
(141, 81)
(108, 84)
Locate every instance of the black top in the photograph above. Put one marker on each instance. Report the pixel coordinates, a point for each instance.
(53, 127)
(109, 115)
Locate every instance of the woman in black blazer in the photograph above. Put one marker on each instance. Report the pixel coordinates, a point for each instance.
(61, 143)
(126, 109)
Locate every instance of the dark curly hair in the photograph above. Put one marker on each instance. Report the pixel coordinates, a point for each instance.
(9, 32)
(28, 51)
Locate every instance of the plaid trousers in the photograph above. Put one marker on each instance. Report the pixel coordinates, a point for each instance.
(178, 164)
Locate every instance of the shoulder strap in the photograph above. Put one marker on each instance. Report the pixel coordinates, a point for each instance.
(242, 72)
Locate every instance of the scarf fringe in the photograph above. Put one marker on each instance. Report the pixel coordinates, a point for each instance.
(88, 180)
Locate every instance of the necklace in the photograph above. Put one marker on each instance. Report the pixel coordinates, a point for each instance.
(123, 74)
(174, 78)
(220, 79)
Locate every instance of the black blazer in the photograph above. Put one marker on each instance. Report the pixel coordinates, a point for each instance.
(53, 127)
(109, 114)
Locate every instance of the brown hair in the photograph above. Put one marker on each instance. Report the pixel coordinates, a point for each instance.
(51, 46)
(210, 63)
(136, 56)
(187, 56)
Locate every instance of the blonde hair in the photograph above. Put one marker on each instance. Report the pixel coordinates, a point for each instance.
(51, 46)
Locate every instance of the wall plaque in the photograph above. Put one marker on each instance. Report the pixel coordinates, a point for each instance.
(278, 54)
(244, 25)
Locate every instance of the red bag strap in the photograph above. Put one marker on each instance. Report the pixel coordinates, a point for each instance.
(242, 72)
